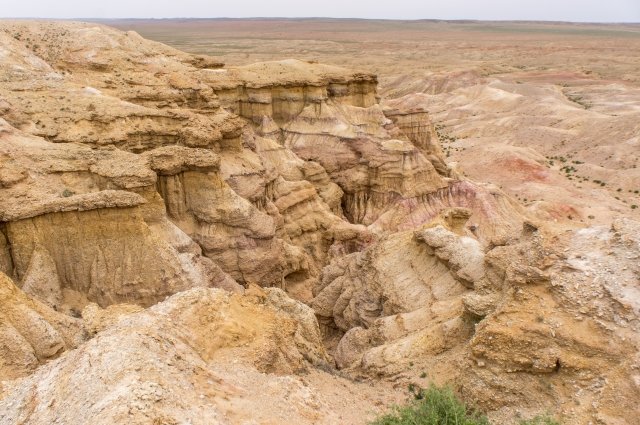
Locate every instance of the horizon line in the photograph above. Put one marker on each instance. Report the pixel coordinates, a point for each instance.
(465, 20)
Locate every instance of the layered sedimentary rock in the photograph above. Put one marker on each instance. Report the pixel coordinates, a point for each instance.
(373, 169)
(131, 173)
(229, 228)
(162, 364)
(495, 217)
(265, 213)
(282, 90)
(236, 208)
(509, 325)
(30, 332)
(91, 221)
(403, 296)
(415, 124)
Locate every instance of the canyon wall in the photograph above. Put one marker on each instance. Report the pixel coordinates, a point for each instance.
(181, 218)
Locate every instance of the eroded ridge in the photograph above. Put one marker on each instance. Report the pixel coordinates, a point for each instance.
(175, 233)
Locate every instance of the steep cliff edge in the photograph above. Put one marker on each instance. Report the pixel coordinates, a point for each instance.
(91, 221)
(303, 150)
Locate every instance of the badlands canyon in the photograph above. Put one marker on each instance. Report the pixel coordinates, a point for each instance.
(293, 222)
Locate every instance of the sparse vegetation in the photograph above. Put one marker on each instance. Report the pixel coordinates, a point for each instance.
(432, 406)
(440, 406)
(66, 193)
(579, 100)
(540, 420)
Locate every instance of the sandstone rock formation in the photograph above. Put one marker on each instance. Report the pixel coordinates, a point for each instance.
(511, 326)
(162, 364)
(564, 331)
(413, 292)
(92, 222)
(244, 209)
(151, 200)
(30, 332)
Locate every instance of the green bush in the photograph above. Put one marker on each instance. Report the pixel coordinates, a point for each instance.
(66, 193)
(433, 406)
(440, 406)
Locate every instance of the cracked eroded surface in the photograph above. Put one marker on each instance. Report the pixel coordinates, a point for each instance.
(185, 241)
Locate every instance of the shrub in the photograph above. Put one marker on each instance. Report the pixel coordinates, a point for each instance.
(66, 193)
(433, 406)
(440, 406)
(540, 420)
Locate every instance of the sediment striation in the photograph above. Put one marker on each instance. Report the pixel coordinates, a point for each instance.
(174, 233)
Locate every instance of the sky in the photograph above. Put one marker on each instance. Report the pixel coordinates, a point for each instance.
(549, 10)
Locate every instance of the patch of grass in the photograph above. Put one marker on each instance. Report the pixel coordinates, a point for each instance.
(433, 406)
(540, 420)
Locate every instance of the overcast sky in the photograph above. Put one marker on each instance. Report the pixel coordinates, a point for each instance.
(557, 10)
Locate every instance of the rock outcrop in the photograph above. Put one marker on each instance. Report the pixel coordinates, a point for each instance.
(162, 364)
(91, 221)
(267, 168)
(151, 200)
(415, 124)
(562, 319)
(403, 296)
(31, 333)
(509, 325)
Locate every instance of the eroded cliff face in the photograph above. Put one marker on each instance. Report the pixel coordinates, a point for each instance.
(31, 333)
(303, 153)
(91, 221)
(131, 172)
